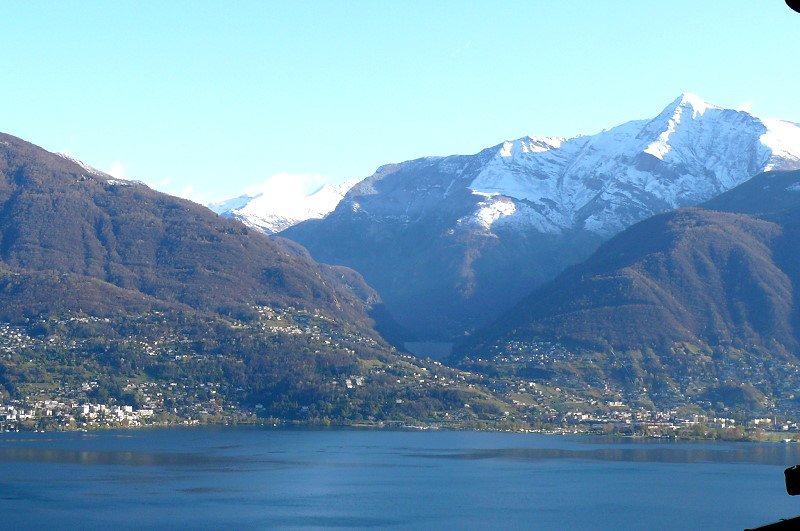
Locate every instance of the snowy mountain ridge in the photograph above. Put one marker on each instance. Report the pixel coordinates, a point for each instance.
(274, 212)
(690, 152)
(602, 183)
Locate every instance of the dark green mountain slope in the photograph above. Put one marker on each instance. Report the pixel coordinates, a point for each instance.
(686, 276)
(57, 215)
(33, 294)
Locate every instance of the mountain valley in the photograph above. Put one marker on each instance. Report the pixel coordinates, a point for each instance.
(451, 243)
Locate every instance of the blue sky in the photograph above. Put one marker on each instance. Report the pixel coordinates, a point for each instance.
(207, 99)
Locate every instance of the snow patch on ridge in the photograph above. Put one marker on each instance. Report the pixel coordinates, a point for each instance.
(493, 209)
(783, 139)
(698, 105)
(90, 169)
(530, 144)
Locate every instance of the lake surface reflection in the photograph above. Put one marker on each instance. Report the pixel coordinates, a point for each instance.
(215, 478)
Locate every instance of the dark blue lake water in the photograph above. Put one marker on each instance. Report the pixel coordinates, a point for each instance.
(256, 478)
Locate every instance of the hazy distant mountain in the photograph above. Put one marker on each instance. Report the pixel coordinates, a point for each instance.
(451, 243)
(271, 212)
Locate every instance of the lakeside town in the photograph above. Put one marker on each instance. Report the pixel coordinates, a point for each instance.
(503, 402)
(615, 418)
(55, 415)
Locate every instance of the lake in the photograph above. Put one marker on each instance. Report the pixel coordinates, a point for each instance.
(244, 478)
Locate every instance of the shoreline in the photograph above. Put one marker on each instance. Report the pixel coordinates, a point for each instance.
(753, 436)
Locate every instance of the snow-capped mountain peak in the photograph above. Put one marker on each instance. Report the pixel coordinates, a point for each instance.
(698, 106)
(276, 209)
(690, 152)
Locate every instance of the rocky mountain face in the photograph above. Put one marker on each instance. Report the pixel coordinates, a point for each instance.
(451, 243)
(59, 216)
(273, 211)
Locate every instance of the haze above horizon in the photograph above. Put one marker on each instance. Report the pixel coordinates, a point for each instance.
(208, 99)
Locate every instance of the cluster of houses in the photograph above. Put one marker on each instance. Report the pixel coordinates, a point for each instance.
(318, 327)
(159, 403)
(13, 338)
(53, 414)
(668, 422)
(534, 351)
